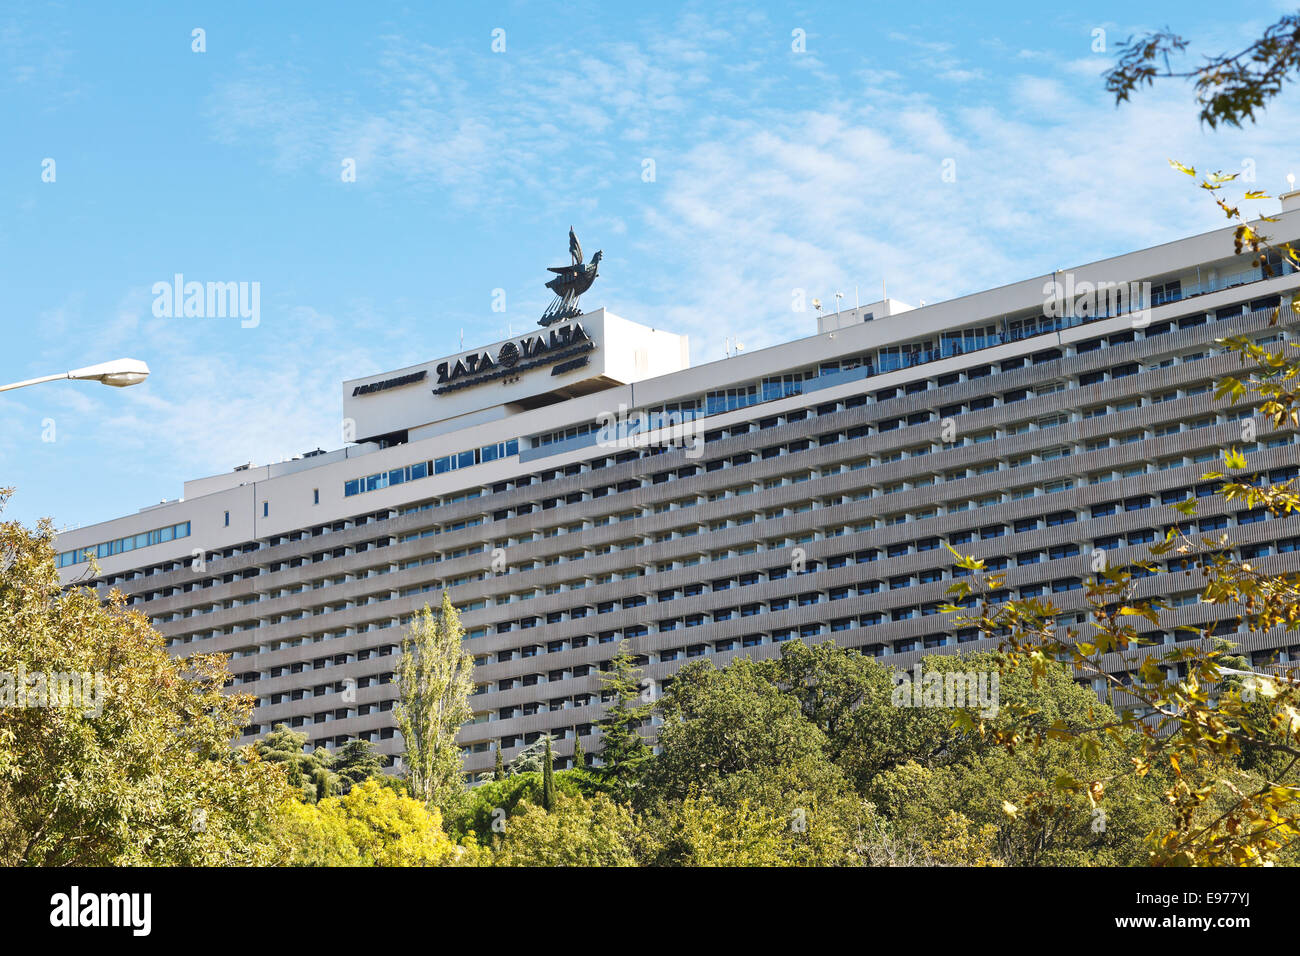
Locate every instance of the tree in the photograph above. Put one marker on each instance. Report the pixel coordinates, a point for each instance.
(579, 831)
(313, 838)
(752, 830)
(124, 757)
(369, 826)
(1199, 733)
(733, 734)
(848, 696)
(489, 804)
(1229, 87)
(357, 762)
(531, 759)
(734, 740)
(1222, 742)
(701, 831)
(312, 774)
(548, 779)
(435, 680)
(579, 757)
(499, 771)
(623, 749)
(1051, 804)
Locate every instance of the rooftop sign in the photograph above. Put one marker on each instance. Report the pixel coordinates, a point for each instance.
(561, 342)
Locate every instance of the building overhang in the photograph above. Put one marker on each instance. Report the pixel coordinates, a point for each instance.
(570, 358)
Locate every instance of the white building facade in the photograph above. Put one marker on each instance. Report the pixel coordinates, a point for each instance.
(582, 485)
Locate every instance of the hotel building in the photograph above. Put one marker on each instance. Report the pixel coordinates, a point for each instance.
(809, 495)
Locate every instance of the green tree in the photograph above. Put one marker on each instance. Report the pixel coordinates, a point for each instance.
(623, 750)
(313, 774)
(848, 696)
(488, 804)
(1202, 736)
(734, 739)
(579, 757)
(702, 830)
(499, 771)
(1221, 741)
(138, 769)
(1052, 804)
(532, 758)
(548, 779)
(357, 762)
(579, 831)
(733, 733)
(435, 680)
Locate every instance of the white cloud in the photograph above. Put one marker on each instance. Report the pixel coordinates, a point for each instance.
(774, 174)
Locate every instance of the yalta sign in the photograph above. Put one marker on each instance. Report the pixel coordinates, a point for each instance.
(553, 346)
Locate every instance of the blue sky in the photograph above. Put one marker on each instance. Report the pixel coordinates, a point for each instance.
(774, 170)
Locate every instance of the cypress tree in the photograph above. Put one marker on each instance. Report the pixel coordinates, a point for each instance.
(548, 780)
(579, 757)
(500, 769)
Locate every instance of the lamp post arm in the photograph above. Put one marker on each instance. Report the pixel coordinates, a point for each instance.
(34, 381)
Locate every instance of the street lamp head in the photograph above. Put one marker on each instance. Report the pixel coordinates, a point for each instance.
(119, 373)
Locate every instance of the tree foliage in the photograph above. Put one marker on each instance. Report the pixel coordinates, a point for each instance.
(1231, 87)
(435, 680)
(623, 749)
(147, 776)
(357, 762)
(371, 825)
(313, 774)
(548, 779)
(1224, 742)
(576, 831)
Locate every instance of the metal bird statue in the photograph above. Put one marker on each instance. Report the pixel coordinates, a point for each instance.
(569, 283)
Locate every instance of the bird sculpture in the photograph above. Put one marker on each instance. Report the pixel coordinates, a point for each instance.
(569, 283)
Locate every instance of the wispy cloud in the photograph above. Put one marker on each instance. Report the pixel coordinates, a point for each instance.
(940, 165)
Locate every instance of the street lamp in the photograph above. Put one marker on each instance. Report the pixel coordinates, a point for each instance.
(119, 373)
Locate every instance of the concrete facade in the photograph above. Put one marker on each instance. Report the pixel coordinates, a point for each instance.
(829, 473)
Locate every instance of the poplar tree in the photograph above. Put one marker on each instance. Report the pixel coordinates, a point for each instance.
(434, 680)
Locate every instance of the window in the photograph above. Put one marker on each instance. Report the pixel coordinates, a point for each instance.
(1168, 292)
(122, 545)
(227, 519)
(266, 509)
(315, 496)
